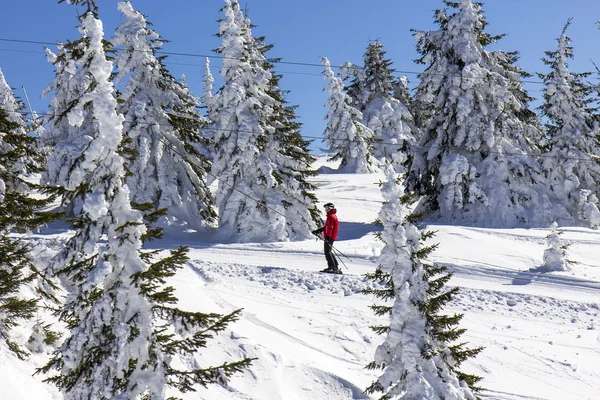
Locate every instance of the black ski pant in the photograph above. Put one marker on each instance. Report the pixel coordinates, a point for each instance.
(331, 261)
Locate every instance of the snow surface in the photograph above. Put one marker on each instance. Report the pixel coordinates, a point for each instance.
(310, 331)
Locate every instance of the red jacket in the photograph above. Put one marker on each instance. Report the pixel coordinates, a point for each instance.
(331, 225)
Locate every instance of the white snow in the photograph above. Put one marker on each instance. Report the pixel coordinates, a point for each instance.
(310, 331)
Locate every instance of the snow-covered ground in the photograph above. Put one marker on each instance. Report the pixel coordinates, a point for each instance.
(310, 331)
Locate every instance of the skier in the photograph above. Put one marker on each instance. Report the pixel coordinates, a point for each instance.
(330, 231)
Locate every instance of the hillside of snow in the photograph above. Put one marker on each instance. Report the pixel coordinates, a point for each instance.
(309, 331)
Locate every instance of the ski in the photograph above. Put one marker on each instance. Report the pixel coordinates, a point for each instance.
(338, 272)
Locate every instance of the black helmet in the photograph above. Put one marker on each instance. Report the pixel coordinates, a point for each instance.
(329, 206)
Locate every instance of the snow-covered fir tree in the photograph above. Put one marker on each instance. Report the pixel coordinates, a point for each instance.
(290, 152)
(69, 83)
(572, 160)
(402, 92)
(168, 167)
(555, 256)
(19, 212)
(420, 357)
(389, 118)
(480, 140)
(356, 77)
(207, 96)
(208, 103)
(125, 327)
(261, 161)
(347, 138)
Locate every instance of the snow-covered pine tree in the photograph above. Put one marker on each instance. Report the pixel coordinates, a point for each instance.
(19, 212)
(168, 167)
(357, 77)
(402, 93)
(389, 118)
(348, 139)
(69, 83)
(571, 161)
(261, 161)
(290, 152)
(379, 80)
(207, 96)
(125, 327)
(420, 358)
(478, 160)
(208, 103)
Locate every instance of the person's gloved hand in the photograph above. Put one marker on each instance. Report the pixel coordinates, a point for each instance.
(316, 232)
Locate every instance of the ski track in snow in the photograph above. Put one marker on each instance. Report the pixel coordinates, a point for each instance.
(505, 303)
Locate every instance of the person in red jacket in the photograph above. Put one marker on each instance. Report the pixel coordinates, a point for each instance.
(330, 232)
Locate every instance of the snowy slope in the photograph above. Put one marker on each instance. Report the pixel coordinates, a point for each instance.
(310, 332)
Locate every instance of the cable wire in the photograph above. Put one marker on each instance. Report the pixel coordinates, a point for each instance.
(298, 63)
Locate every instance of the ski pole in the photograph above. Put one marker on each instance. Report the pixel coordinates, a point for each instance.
(340, 259)
(349, 259)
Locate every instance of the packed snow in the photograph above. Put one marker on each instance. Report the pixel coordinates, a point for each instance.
(309, 331)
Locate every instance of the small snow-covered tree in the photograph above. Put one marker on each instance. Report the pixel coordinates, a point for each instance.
(572, 160)
(555, 256)
(261, 161)
(125, 326)
(348, 139)
(19, 212)
(419, 358)
(477, 159)
(167, 167)
(42, 339)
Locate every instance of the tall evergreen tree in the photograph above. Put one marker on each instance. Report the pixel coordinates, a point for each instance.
(348, 139)
(19, 212)
(290, 152)
(261, 161)
(419, 358)
(59, 124)
(389, 118)
(168, 167)
(479, 145)
(124, 323)
(572, 160)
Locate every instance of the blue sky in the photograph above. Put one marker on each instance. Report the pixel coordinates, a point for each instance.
(301, 31)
